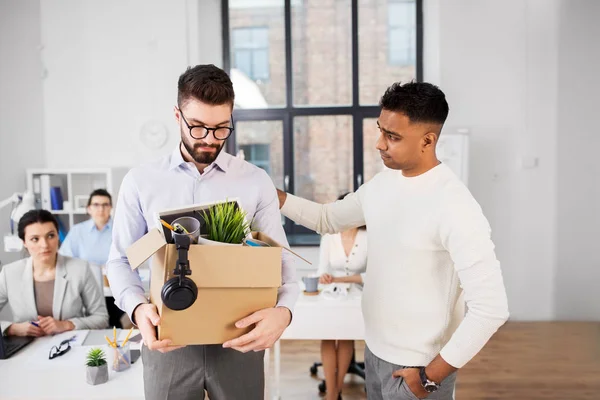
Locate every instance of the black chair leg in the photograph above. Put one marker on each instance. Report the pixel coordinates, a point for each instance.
(315, 366)
(322, 387)
(356, 368)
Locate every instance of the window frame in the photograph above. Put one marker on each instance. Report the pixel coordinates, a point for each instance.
(298, 235)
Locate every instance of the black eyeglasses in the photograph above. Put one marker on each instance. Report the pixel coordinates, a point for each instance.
(200, 131)
(100, 205)
(62, 348)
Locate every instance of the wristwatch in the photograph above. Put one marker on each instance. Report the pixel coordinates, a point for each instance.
(429, 385)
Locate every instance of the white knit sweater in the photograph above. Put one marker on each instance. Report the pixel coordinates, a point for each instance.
(428, 238)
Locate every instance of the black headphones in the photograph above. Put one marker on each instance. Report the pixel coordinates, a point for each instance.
(180, 292)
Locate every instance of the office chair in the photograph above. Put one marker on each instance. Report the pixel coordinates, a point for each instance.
(356, 368)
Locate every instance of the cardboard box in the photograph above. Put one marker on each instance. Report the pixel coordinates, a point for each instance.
(233, 282)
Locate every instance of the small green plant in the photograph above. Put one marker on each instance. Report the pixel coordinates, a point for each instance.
(226, 223)
(95, 358)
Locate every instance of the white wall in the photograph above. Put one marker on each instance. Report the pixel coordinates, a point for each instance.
(578, 277)
(496, 62)
(113, 66)
(21, 110)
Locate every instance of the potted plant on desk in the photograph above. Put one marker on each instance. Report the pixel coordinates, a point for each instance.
(96, 367)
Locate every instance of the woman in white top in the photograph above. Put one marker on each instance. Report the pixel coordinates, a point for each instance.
(343, 259)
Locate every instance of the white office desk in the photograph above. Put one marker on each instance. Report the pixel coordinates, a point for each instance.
(29, 374)
(318, 318)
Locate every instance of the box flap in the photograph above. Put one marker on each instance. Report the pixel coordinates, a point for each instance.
(266, 239)
(143, 249)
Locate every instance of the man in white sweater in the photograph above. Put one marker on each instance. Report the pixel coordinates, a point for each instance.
(429, 253)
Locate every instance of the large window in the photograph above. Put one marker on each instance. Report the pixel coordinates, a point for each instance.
(308, 75)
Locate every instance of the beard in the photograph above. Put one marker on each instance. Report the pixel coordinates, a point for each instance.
(202, 157)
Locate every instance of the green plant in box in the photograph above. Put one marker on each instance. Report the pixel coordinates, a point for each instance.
(226, 223)
(95, 358)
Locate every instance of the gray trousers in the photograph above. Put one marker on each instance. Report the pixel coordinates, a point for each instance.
(381, 385)
(184, 374)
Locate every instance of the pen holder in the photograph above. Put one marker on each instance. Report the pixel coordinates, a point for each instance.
(192, 225)
(121, 357)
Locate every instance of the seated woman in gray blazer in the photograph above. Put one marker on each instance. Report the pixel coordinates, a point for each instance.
(49, 293)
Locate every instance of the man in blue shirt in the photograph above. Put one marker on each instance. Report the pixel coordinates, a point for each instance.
(91, 240)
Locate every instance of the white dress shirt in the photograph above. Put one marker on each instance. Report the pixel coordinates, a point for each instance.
(171, 182)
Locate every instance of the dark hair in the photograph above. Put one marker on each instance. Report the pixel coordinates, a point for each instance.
(207, 83)
(419, 101)
(99, 192)
(341, 197)
(32, 217)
